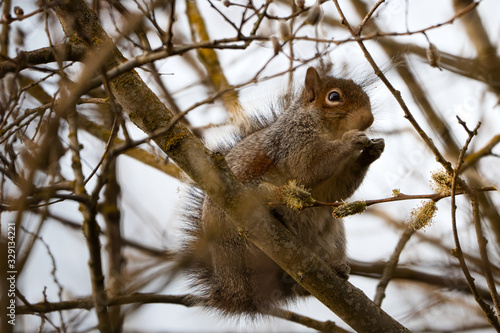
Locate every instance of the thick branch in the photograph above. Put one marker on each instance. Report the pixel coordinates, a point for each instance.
(45, 55)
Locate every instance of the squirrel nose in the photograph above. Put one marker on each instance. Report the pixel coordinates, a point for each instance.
(369, 120)
(365, 120)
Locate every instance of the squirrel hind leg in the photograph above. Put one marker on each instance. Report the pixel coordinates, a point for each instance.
(343, 270)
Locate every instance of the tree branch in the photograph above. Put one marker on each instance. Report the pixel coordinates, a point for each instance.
(457, 252)
(45, 55)
(186, 300)
(390, 267)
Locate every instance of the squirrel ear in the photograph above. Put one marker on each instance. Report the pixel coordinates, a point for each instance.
(312, 84)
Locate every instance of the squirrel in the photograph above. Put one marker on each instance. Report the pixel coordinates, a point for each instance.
(316, 139)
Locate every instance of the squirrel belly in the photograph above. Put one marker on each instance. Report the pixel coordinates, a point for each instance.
(317, 140)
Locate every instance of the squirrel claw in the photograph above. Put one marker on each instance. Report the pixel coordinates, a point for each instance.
(343, 270)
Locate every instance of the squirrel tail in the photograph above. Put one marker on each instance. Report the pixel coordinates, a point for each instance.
(236, 279)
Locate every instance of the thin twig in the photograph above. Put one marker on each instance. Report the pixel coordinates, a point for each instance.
(325, 326)
(375, 270)
(391, 265)
(359, 29)
(457, 252)
(87, 302)
(399, 197)
(11, 19)
(30, 307)
(457, 15)
(90, 227)
(481, 240)
(487, 150)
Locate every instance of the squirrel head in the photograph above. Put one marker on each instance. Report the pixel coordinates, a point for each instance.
(342, 104)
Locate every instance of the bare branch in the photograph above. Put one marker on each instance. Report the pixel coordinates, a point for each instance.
(390, 267)
(457, 252)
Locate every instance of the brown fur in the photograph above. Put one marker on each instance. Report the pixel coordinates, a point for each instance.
(319, 143)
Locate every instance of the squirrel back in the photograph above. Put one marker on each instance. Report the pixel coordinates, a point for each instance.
(317, 140)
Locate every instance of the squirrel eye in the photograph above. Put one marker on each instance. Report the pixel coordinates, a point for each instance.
(333, 96)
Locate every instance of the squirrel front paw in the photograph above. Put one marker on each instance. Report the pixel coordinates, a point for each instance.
(357, 139)
(373, 150)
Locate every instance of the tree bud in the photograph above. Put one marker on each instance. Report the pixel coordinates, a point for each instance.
(284, 30)
(300, 3)
(18, 11)
(433, 55)
(314, 14)
(276, 45)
